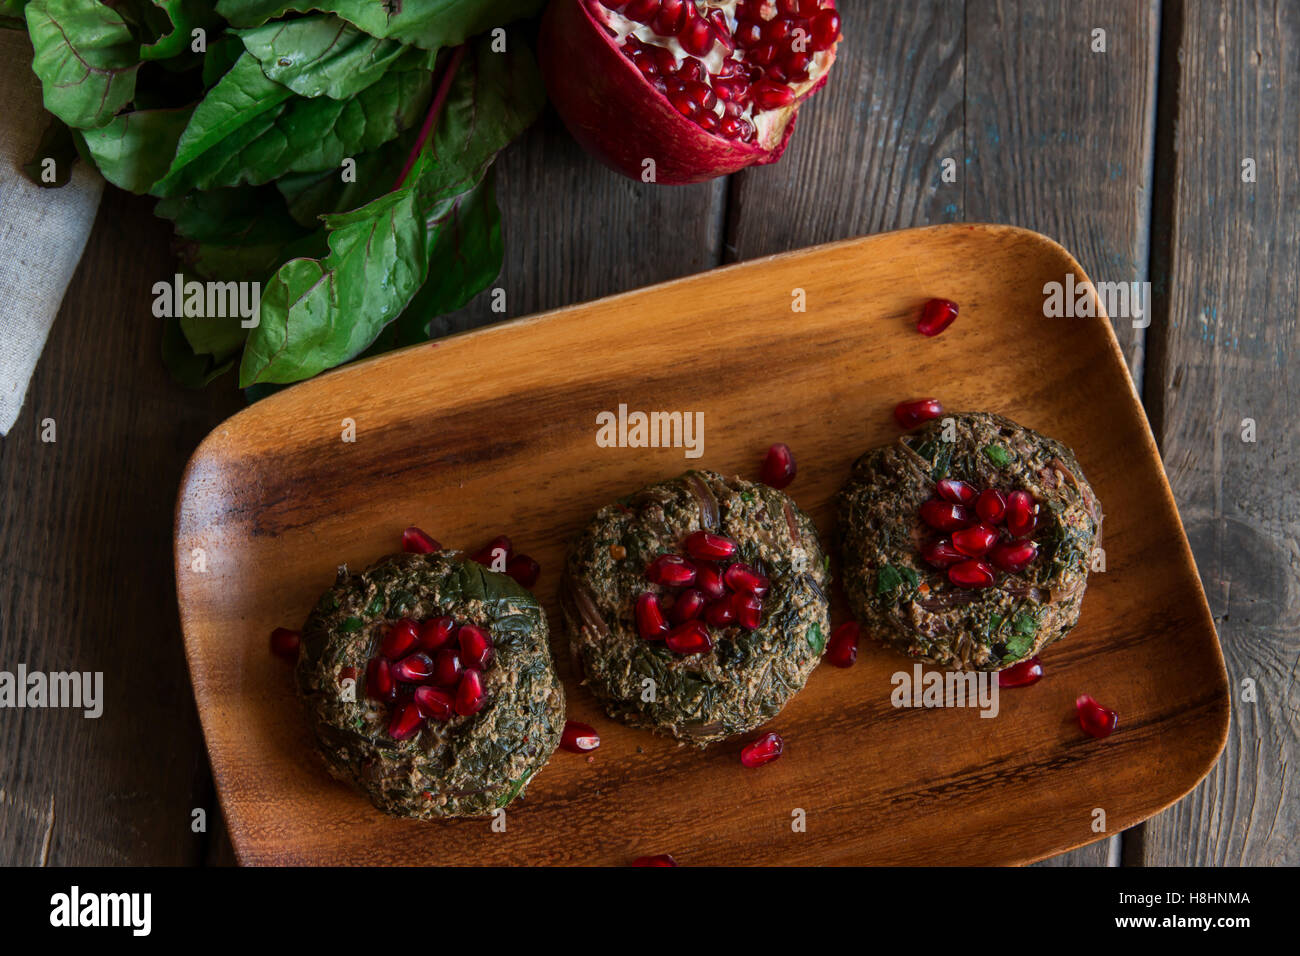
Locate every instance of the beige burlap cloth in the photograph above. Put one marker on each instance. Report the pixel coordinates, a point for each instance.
(42, 231)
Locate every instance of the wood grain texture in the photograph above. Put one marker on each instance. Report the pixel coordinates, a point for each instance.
(276, 500)
(86, 572)
(1223, 351)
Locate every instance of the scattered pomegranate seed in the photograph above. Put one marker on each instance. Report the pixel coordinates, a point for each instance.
(347, 673)
(671, 570)
(285, 643)
(475, 646)
(1096, 720)
(379, 680)
(763, 750)
(842, 648)
(975, 542)
(1021, 675)
(447, 668)
(1022, 513)
(991, 506)
(436, 632)
(779, 466)
(416, 541)
(741, 577)
(936, 316)
(406, 722)
(709, 547)
(469, 693)
(720, 613)
(495, 550)
(690, 637)
(825, 30)
(688, 606)
(414, 668)
(399, 639)
(958, 492)
(709, 580)
(911, 414)
(946, 516)
(748, 609)
(434, 703)
(579, 738)
(971, 574)
(941, 554)
(650, 623)
(663, 859)
(524, 570)
(1013, 556)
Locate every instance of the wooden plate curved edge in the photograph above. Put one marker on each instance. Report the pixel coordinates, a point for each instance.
(491, 430)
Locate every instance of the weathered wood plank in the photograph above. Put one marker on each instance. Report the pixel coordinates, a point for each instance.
(85, 546)
(1222, 347)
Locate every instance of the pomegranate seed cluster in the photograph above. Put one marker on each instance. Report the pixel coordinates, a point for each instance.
(754, 58)
(987, 531)
(710, 591)
(429, 670)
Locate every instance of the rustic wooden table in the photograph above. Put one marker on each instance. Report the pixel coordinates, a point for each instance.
(1132, 158)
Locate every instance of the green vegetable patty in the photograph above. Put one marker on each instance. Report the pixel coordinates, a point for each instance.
(746, 676)
(461, 766)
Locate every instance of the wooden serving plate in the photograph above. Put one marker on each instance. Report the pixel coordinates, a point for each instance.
(495, 431)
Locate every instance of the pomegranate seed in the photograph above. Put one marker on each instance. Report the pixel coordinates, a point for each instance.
(709, 580)
(971, 574)
(911, 414)
(720, 613)
(709, 547)
(958, 492)
(718, 19)
(446, 668)
(684, 103)
(672, 571)
(975, 542)
(1022, 674)
(413, 669)
(379, 680)
(406, 722)
(495, 553)
(692, 69)
(1022, 513)
(936, 316)
(941, 554)
(991, 506)
(435, 632)
(763, 750)
(664, 59)
(842, 648)
(779, 467)
(642, 11)
(434, 703)
(690, 637)
(1014, 556)
(748, 609)
(348, 673)
(419, 542)
(688, 606)
(696, 34)
(769, 95)
(579, 738)
(400, 639)
(741, 577)
(663, 859)
(475, 646)
(285, 643)
(796, 65)
(671, 17)
(469, 693)
(524, 570)
(1096, 720)
(777, 28)
(708, 121)
(825, 30)
(650, 623)
(946, 516)
(748, 33)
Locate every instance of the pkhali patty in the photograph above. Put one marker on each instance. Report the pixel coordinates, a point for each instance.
(456, 701)
(697, 606)
(933, 566)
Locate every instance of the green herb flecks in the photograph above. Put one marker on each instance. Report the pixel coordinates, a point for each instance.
(998, 455)
(816, 639)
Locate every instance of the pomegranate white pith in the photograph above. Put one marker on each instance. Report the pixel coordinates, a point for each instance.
(702, 89)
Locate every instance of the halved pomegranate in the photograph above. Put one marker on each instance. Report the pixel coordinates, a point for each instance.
(702, 90)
